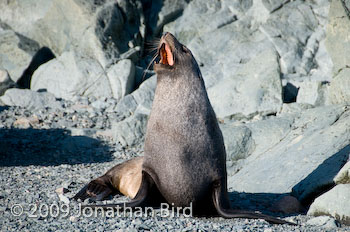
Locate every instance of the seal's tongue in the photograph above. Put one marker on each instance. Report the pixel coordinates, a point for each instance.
(166, 55)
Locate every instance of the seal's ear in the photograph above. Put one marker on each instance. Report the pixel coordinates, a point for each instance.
(185, 49)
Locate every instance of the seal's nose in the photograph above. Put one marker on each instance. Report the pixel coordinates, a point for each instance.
(167, 34)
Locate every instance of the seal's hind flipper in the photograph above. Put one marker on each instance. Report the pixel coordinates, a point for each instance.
(230, 213)
(147, 196)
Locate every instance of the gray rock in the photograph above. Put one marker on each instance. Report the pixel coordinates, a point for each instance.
(131, 130)
(163, 12)
(293, 108)
(311, 151)
(122, 78)
(323, 221)
(29, 99)
(343, 177)
(140, 100)
(72, 74)
(289, 29)
(5, 81)
(334, 203)
(100, 104)
(277, 129)
(295, 29)
(209, 16)
(13, 57)
(313, 93)
(338, 35)
(272, 5)
(238, 142)
(107, 27)
(254, 89)
(339, 90)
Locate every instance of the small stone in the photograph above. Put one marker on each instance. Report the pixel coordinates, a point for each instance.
(61, 190)
(22, 123)
(324, 221)
(63, 198)
(72, 219)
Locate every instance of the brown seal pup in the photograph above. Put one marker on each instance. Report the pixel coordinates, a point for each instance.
(185, 157)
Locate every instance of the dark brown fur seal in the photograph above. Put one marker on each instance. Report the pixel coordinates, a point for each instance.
(185, 157)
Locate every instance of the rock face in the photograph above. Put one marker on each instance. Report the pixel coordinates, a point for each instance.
(105, 26)
(16, 52)
(339, 87)
(338, 32)
(255, 88)
(333, 203)
(304, 159)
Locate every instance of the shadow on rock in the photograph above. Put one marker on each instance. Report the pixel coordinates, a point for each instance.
(266, 203)
(321, 179)
(42, 56)
(23, 147)
(303, 194)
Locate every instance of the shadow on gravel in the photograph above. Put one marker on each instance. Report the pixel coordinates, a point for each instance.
(3, 108)
(23, 147)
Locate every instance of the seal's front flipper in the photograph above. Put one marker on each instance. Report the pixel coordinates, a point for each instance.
(230, 213)
(124, 178)
(147, 196)
(98, 189)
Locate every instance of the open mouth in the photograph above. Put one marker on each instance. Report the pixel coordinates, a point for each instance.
(165, 54)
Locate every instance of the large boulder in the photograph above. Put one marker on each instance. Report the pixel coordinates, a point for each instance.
(29, 99)
(122, 78)
(333, 203)
(74, 74)
(130, 131)
(139, 101)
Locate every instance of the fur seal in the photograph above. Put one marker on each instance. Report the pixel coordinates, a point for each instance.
(185, 157)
